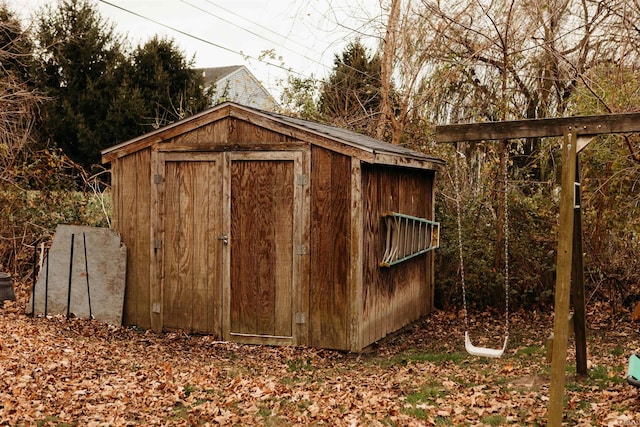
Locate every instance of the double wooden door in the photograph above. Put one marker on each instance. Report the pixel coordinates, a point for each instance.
(231, 229)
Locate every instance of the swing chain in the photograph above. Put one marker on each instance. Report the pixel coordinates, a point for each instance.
(460, 250)
(459, 215)
(505, 230)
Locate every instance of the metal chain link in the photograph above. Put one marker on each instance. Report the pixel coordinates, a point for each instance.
(459, 212)
(505, 230)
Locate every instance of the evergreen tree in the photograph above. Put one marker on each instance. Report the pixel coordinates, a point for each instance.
(166, 82)
(350, 97)
(80, 67)
(100, 95)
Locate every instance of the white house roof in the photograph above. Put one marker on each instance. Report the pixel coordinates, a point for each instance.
(213, 75)
(236, 83)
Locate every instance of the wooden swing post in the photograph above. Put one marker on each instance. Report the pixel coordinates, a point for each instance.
(563, 280)
(577, 272)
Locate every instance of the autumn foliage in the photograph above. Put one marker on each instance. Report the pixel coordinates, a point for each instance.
(55, 371)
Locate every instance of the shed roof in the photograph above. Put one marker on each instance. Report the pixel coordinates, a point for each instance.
(346, 135)
(371, 150)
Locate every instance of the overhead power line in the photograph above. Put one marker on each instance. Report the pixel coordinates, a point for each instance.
(200, 39)
(244, 18)
(203, 40)
(252, 32)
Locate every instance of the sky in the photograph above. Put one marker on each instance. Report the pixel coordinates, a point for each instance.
(304, 35)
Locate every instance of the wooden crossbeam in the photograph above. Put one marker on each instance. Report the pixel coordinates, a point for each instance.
(539, 128)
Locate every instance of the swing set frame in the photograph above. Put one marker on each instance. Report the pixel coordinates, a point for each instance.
(577, 132)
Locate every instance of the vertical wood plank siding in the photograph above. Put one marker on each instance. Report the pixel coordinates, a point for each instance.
(241, 131)
(393, 297)
(330, 249)
(131, 217)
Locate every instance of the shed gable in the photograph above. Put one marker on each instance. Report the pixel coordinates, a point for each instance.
(225, 134)
(265, 127)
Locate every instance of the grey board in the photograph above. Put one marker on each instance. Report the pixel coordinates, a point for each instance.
(106, 261)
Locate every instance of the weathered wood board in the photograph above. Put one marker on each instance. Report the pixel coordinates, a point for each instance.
(192, 215)
(330, 233)
(262, 247)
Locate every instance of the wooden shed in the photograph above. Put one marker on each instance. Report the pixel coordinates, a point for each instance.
(261, 228)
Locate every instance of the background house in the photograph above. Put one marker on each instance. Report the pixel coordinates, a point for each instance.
(236, 83)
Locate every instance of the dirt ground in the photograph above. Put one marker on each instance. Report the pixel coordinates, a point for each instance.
(59, 372)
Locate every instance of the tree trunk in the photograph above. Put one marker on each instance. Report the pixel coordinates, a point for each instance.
(386, 71)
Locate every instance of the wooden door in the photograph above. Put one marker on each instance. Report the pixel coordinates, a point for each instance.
(264, 233)
(191, 272)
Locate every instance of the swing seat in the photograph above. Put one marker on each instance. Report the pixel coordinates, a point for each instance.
(633, 371)
(488, 352)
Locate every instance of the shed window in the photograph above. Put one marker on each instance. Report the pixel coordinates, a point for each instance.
(407, 237)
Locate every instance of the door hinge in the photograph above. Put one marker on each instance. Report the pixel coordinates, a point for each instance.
(302, 180)
(157, 179)
(157, 244)
(302, 250)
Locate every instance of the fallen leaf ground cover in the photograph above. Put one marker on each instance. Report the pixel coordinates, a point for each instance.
(59, 372)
